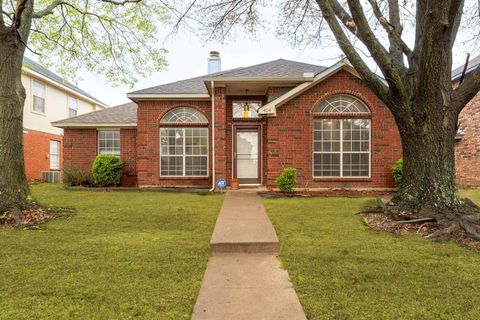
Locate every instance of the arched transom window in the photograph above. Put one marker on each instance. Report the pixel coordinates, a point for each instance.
(341, 138)
(184, 143)
(184, 115)
(341, 103)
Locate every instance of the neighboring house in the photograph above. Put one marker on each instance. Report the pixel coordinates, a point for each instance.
(467, 148)
(48, 98)
(247, 123)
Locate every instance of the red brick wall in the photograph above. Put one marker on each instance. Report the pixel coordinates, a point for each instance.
(148, 151)
(81, 147)
(128, 154)
(286, 139)
(467, 150)
(36, 146)
(289, 136)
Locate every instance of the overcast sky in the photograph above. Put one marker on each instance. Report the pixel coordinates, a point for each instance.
(187, 57)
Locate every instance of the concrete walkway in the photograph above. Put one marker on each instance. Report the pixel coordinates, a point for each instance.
(243, 279)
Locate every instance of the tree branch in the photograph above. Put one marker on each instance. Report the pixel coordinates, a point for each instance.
(393, 71)
(2, 22)
(466, 90)
(48, 10)
(52, 6)
(371, 78)
(17, 16)
(393, 28)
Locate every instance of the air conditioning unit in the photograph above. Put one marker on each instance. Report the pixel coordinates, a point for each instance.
(52, 176)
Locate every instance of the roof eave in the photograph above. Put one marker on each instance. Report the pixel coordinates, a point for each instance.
(93, 125)
(63, 87)
(258, 79)
(168, 96)
(270, 108)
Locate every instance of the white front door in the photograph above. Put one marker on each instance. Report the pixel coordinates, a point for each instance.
(247, 155)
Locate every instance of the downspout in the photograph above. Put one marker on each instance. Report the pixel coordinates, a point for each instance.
(213, 135)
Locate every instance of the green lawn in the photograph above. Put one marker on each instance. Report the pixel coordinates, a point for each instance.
(473, 194)
(341, 269)
(123, 255)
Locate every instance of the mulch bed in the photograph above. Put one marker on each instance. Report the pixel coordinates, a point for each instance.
(34, 215)
(400, 224)
(324, 193)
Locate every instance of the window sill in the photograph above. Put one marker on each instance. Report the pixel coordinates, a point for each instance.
(344, 179)
(183, 178)
(39, 113)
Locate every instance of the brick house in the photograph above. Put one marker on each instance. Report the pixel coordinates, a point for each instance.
(48, 98)
(467, 148)
(246, 123)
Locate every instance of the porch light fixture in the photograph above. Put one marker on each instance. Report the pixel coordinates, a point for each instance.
(246, 107)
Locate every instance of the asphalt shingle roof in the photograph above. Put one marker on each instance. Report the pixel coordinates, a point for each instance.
(127, 113)
(36, 67)
(193, 85)
(472, 64)
(121, 114)
(280, 68)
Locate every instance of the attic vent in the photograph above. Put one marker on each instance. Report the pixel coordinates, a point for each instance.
(308, 74)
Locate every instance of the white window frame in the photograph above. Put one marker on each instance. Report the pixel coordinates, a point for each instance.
(341, 153)
(72, 107)
(244, 101)
(119, 140)
(183, 153)
(58, 154)
(44, 91)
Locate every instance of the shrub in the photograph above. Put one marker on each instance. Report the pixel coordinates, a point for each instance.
(107, 170)
(77, 177)
(397, 172)
(287, 181)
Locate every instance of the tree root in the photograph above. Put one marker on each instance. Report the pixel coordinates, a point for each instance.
(461, 224)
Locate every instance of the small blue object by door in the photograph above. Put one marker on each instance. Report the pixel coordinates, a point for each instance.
(221, 183)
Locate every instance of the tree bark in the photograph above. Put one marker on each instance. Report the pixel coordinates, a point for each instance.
(13, 183)
(429, 162)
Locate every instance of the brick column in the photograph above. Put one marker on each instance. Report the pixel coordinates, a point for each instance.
(220, 134)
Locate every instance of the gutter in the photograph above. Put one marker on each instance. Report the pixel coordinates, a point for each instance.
(212, 83)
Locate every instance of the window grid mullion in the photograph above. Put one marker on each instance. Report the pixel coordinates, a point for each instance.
(341, 148)
(184, 152)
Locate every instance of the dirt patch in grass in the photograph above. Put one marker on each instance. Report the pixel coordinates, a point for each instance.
(34, 215)
(324, 193)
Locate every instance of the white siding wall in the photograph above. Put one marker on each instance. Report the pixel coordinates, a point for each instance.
(56, 106)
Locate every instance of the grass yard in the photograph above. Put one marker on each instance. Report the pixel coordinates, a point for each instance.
(473, 194)
(341, 269)
(123, 255)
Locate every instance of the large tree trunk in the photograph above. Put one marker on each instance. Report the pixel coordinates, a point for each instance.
(13, 182)
(429, 162)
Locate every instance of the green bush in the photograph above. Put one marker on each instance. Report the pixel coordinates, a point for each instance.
(287, 181)
(77, 177)
(397, 171)
(107, 170)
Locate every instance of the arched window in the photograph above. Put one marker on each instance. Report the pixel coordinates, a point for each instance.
(341, 138)
(184, 115)
(184, 143)
(341, 103)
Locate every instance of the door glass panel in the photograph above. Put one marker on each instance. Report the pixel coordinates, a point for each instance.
(247, 155)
